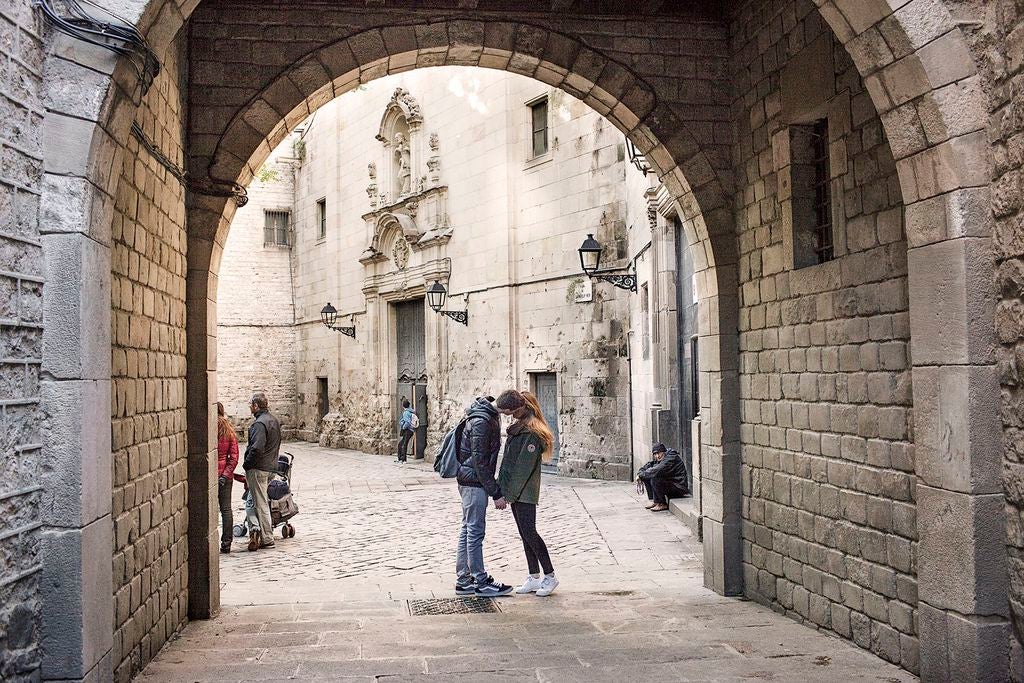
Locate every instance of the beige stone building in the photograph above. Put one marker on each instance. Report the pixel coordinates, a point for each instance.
(488, 183)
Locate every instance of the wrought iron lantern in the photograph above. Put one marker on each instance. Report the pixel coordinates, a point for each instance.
(329, 316)
(436, 296)
(637, 158)
(590, 260)
(590, 255)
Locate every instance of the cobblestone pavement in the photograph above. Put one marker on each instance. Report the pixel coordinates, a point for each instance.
(332, 602)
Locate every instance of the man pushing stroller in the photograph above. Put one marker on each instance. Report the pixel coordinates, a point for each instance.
(260, 463)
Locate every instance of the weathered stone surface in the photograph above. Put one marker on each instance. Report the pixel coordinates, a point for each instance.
(959, 562)
(825, 378)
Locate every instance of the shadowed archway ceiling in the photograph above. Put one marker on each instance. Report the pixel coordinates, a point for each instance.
(618, 8)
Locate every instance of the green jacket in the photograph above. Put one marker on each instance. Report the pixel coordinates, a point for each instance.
(519, 477)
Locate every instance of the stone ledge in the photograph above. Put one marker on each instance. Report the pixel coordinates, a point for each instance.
(686, 510)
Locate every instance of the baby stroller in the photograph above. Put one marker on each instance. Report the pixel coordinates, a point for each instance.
(282, 505)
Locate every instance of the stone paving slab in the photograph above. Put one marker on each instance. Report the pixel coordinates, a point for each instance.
(330, 604)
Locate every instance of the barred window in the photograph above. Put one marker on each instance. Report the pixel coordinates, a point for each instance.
(539, 126)
(811, 173)
(822, 194)
(694, 378)
(276, 226)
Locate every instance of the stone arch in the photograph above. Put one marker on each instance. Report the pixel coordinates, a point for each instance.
(920, 72)
(390, 227)
(402, 105)
(699, 182)
(938, 139)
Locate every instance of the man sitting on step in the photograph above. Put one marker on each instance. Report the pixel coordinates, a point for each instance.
(664, 477)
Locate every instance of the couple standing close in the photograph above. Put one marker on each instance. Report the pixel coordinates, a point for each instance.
(530, 442)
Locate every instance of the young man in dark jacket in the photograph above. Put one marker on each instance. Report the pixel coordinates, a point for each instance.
(664, 477)
(478, 458)
(260, 464)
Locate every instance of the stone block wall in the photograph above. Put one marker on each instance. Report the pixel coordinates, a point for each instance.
(1005, 62)
(150, 487)
(21, 331)
(830, 529)
(255, 314)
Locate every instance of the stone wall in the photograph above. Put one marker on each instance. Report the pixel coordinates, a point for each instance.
(1006, 64)
(255, 316)
(21, 322)
(148, 399)
(828, 459)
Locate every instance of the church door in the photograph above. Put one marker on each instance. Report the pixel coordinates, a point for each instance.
(412, 368)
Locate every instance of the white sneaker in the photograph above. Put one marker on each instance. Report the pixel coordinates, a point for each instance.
(547, 586)
(531, 585)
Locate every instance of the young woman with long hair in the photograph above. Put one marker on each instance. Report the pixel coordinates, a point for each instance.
(227, 459)
(530, 442)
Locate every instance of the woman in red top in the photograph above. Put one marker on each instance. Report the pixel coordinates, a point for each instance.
(227, 459)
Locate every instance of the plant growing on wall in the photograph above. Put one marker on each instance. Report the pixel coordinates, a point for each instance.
(266, 175)
(299, 149)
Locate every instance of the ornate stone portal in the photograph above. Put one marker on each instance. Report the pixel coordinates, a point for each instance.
(410, 215)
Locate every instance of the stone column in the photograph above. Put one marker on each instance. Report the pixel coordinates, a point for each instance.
(75, 219)
(720, 459)
(201, 383)
(962, 572)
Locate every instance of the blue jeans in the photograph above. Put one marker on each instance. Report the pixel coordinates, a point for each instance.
(469, 560)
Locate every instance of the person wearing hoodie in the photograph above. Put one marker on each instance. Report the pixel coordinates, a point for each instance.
(405, 429)
(478, 458)
(664, 477)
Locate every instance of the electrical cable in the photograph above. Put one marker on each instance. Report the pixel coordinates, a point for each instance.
(210, 188)
(118, 36)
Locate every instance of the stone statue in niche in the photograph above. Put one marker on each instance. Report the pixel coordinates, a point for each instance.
(403, 164)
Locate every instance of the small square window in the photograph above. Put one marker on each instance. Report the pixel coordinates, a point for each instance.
(539, 126)
(276, 226)
(321, 219)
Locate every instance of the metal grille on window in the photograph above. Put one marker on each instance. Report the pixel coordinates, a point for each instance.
(823, 247)
(276, 228)
(694, 378)
(539, 112)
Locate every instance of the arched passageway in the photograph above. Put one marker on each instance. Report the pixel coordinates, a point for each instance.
(919, 79)
(250, 131)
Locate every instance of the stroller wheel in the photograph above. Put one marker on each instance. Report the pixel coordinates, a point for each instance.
(284, 531)
(238, 530)
(291, 531)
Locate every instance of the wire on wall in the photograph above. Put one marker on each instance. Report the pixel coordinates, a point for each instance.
(114, 34)
(213, 188)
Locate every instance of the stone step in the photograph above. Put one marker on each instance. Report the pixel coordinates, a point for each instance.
(686, 510)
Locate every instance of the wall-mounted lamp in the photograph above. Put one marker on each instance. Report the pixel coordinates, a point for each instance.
(329, 315)
(436, 296)
(590, 260)
(637, 158)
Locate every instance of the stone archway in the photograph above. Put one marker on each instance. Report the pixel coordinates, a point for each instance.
(259, 124)
(921, 80)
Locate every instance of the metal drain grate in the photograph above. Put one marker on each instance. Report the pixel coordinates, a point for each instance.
(422, 608)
